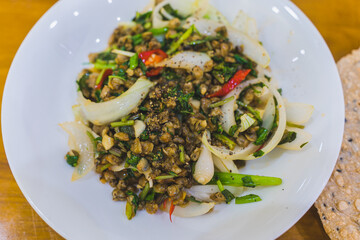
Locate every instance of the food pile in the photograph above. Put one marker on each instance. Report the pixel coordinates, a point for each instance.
(171, 109)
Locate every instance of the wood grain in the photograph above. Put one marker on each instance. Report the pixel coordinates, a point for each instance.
(339, 26)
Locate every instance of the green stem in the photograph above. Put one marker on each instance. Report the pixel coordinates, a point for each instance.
(225, 140)
(134, 61)
(159, 31)
(247, 199)
(182, 153)
(145, 191)
(174, 46)
(290, 124)
(220, 186)
(164, 177)
(222, 102)
(121, 124)
(235, 179)
(251, 110)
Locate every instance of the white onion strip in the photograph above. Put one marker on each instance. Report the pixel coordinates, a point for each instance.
(187, 60)
(204, 166)
(106, 112)
(203, 192)
(192, 209)
(298, 113)
(228, 118)
(225, 166)
(80, 142)
(252, 49)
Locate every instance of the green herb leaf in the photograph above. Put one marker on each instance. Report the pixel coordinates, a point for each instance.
(72, 160)
(142, 18)
(133, 160)
(288, 137)
(262, 136)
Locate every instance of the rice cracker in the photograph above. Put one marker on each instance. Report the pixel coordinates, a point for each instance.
(339, 203)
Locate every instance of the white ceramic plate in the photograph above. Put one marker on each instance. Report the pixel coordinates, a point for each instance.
(40, 90)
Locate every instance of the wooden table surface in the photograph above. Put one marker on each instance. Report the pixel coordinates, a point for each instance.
(338, 23)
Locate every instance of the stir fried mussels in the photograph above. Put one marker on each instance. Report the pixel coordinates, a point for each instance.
(173, 104)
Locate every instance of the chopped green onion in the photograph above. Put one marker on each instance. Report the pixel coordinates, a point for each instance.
(247, 199)
(134, 61)
(175, 45)
(290, 124)
(104, 65)
(227, 194)
(159, 31)
(193, 199)
(121, 124)
(220, 186)
(72, 160)
(173, 174)
(150, 196)
(222, 102)
(182, 154)
(225, 140)
(233, 129)
(302, 145)
(129, 211)
(106, 166)
(251, 110)
(164, 177)
(236, 179)
(145, 191)
(113, 152)
(136, 39)
(98, 79)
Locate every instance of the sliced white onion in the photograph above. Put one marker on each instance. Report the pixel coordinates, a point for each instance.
(203, 192)
(78, 114)
(106, 112)
(139, 127)
(269, 114)
(247, 153)
(124, 53)
(80, 142)
(279, 132)
(228, 118)
(149, 7)
(204, 166)
(252, 48)
(184, 8)
(213, 14)
(246, 24)
(225, 166)
(302, 137)
(187, 60)
(226, 154)
(192, 209)
(166, 14)
(298, 113)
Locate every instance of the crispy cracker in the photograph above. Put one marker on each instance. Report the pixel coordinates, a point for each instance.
(339, 203)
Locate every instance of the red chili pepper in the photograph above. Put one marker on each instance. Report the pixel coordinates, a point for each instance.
(238, 77)
(172, 207)
(105, 75)
(152, 57)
